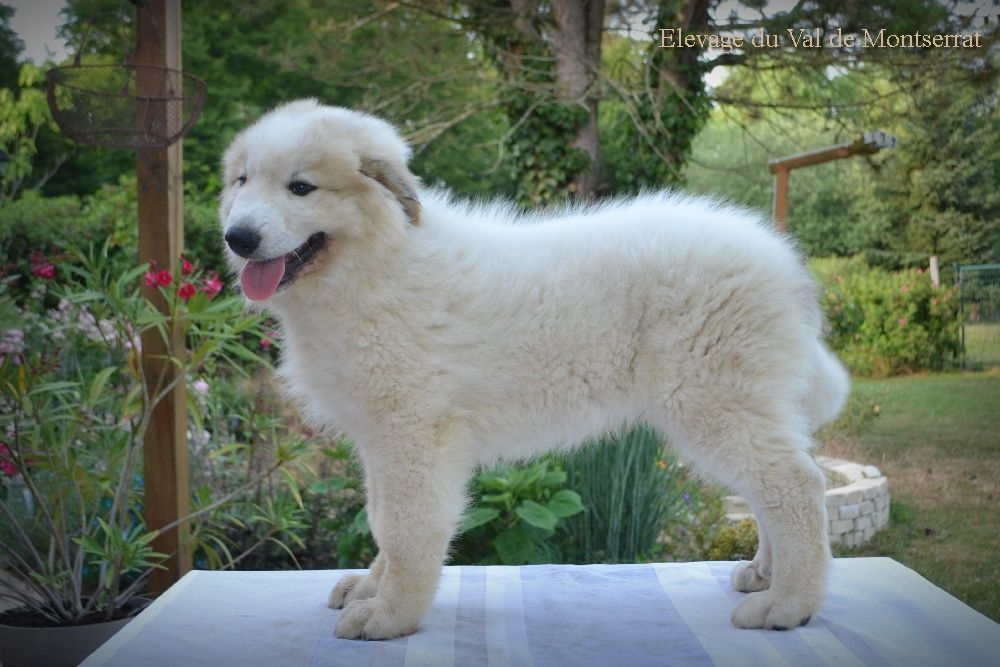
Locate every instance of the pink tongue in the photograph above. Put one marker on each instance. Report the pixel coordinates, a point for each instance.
(260, 279)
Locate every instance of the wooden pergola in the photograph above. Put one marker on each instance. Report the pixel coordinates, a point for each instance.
(867, 144)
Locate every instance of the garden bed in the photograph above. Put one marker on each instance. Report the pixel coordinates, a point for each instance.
(857, 501)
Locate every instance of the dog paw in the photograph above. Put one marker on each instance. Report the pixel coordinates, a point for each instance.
(368, 619)
(350, 588)
(771, 611)
(750, 577)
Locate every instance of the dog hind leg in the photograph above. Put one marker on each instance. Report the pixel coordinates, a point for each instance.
(755, 575)
(767, 463)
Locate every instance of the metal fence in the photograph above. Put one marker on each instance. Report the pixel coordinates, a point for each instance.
(979, 290)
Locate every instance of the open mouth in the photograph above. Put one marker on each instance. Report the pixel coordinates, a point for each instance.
(296, 259)
(262, 278)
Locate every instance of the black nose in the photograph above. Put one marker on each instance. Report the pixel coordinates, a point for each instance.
(243, 240)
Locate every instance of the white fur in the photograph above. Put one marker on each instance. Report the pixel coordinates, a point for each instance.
(472, 333)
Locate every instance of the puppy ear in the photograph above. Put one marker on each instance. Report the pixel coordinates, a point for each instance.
(401, 185)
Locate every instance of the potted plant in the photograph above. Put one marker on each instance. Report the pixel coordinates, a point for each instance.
(75, 406)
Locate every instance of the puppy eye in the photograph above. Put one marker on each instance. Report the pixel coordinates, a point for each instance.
(300, 188)
(241, 180)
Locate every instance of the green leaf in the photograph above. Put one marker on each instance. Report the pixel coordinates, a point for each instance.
(53, 387)
(565, 503)
(293, 486)
(360, 523)
(553, 478)
(98, 383)
(245, 354)
(531, 475)
(537, 515)
(477, 516)
(492, 481)
(514, 547)
(323, 486)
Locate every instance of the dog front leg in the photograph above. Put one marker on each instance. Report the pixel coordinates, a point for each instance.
(360, 586)
(420, 499)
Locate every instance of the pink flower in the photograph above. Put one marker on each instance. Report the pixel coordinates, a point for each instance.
(150, 278)
(200, 386)
(6, 462)
(164, 278)
(212, 285)
(266, 342)
(44, 271)
(186, 291)
(920, 271)
(186, 267)
(902, 321)
(905, 289)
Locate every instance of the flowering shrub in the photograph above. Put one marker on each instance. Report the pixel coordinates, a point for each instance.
(75, 406)
(886, 323)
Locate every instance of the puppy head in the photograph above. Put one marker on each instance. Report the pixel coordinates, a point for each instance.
(305, 179)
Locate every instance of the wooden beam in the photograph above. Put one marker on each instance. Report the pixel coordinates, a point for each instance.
(781, 200)
(821, 155)
(161, 240)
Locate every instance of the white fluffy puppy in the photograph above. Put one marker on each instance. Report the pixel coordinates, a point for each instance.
(442, 335)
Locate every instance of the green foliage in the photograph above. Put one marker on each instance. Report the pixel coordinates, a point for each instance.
(931, 194)
(542, 162)
(10, 48)
(338, 534)
(359, 54)
(886, 323)
(514, 515)
(632, 491)
(22, 114)
(74, 416)
(939, 194)
(734, 541)
(647, 137)
(829, 204)
(33, 225)
(34, 228)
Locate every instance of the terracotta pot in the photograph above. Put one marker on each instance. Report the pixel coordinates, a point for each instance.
(58, 646)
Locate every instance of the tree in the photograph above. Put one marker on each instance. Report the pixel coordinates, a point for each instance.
(11, 47)
(934, 193)
(940, 196)
(22, 114)
(573, 99)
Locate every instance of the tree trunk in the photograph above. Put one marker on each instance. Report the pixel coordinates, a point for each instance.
(577, 45)
(677, 72)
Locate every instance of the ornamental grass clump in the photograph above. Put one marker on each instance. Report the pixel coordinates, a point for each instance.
(631, 487)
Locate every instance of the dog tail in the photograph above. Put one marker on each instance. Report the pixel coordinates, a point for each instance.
(829, 385)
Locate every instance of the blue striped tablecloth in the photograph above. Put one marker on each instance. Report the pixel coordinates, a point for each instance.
(877, 613)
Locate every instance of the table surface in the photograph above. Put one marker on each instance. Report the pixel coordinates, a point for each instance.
(877, 612)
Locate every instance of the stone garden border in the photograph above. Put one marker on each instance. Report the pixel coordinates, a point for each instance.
(857, 502)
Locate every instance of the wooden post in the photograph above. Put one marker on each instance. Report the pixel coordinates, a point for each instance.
(781, 200)
(161, 240)
(935, 272)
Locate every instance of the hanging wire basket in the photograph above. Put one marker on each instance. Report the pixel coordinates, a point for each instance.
(124, 106)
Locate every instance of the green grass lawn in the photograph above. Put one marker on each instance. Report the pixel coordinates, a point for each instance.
(937, 438)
